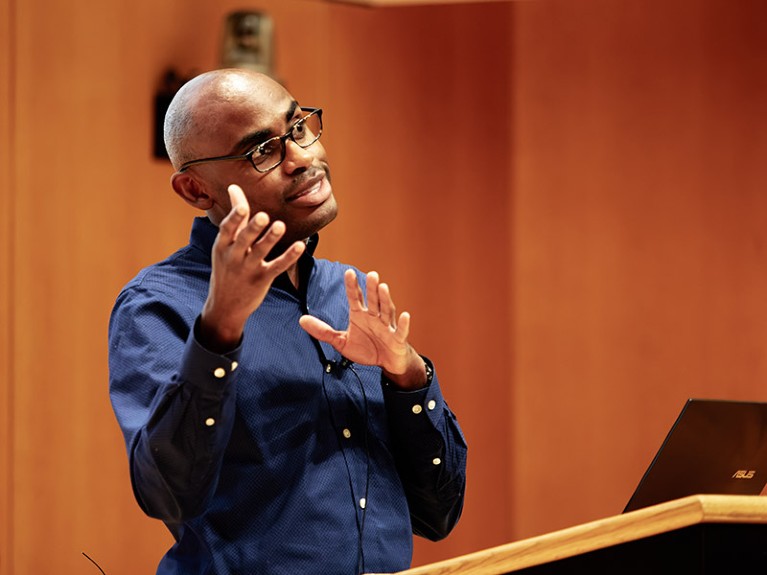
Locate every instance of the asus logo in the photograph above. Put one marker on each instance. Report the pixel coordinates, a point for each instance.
(744, 474)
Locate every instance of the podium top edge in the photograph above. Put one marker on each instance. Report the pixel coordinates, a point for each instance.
(594, 535)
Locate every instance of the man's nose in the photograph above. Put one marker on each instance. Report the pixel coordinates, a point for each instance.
(296, 157)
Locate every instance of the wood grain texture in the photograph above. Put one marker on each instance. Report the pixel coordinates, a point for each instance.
(417, 118)
(6, 296)
(640, 229)
(603, 533)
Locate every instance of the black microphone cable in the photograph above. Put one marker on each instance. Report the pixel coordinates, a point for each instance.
(331, 367)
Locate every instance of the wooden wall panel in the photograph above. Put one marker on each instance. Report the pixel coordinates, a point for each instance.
(84, 179)
(417, 118)
(93, 207)
(7, 200)
(640, 231)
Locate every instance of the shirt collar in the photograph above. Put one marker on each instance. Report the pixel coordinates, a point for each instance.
(203, 235)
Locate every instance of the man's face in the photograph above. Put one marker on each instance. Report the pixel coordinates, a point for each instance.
(243, 112)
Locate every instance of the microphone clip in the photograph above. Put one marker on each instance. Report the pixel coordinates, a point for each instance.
(337, 368)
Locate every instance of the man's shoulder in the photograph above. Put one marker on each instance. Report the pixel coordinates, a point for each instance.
(178, 272)
(191, 260)
(333, 266)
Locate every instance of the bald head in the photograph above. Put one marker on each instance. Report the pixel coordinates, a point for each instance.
(204, 102)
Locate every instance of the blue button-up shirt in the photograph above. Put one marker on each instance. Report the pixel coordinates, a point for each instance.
(276, 458)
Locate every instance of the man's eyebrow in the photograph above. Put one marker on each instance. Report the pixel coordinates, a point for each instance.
(252, 140)
(255, 138)
(291, 111)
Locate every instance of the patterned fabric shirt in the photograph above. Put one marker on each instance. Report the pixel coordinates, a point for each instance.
(279, 457)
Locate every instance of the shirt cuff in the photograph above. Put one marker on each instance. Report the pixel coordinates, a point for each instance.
(426, 402)
(210, 372)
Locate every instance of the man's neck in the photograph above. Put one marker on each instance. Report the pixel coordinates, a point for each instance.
(296, 276)
(293, 275)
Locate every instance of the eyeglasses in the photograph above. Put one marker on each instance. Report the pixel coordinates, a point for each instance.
(269, 154)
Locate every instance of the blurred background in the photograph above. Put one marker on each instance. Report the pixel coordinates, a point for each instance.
(567, 195)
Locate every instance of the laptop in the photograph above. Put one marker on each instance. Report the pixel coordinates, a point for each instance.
(714, 447)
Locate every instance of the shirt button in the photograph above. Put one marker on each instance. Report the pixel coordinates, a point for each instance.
(210, 422)
(363, 503)
(432, 404)
(219, 372)
(436, 461)
(347, 433)
(417, 409)
(234, 365)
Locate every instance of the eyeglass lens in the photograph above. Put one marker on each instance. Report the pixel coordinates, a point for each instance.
(304, 132)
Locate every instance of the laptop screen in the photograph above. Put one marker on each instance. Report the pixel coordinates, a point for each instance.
(714, 447)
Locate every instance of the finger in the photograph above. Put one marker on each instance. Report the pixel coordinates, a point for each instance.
(403, 327)
(262, 245)
(250, 232)
(286, 260)
(353, 291)
(388, 311)
(229, 227)
(372, 294)
(239, 204)
(318, 329)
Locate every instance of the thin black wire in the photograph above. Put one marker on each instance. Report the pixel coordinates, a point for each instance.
(92, 561)
(360, 522)
(361, 564)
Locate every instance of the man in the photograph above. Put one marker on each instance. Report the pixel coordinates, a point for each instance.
(276, 417)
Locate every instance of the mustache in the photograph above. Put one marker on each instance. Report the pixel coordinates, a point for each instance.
(310, 174)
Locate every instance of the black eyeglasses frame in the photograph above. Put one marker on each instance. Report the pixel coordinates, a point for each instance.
(283, 145)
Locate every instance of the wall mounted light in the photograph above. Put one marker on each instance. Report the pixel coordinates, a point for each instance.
(247, 42)
(169, 85)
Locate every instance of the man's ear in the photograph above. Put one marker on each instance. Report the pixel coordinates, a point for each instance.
(191, 190)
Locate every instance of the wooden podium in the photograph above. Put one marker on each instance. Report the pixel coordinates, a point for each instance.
(705, 534)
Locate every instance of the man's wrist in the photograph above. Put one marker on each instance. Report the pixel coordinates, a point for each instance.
(418, 375)
(217, 338)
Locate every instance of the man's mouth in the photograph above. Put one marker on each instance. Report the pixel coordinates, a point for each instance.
(312, 193)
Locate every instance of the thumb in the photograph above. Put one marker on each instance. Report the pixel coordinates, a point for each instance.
(318, 329)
